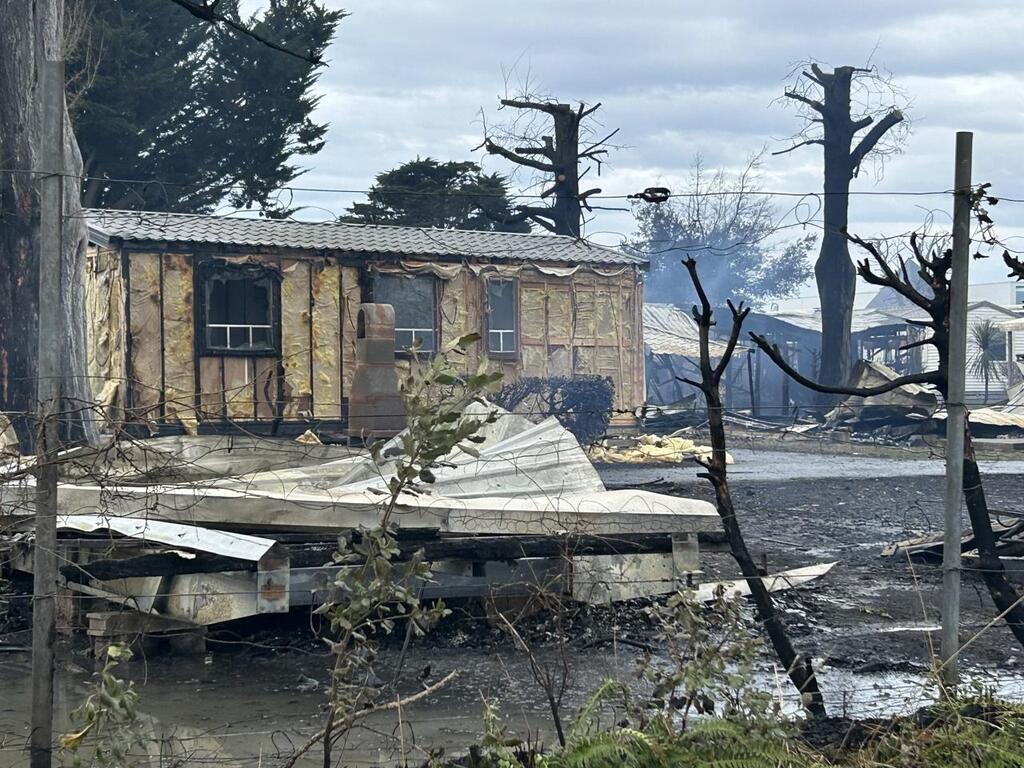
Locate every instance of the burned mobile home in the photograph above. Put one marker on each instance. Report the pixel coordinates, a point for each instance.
(200, 323)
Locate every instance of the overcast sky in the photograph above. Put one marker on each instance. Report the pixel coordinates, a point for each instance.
(679, 78)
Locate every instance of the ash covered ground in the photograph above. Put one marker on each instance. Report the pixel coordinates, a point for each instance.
(867, 623)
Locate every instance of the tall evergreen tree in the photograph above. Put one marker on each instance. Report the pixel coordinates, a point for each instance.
(197, 112)
(428, 193)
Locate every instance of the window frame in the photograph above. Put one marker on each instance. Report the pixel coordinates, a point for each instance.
(512, 354)
(1006, 351)
(403, 353)
(212, 268)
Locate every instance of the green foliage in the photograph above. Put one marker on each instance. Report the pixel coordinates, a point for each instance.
(706, 662)
(107, 728)
(582, 404)
(703, 708)
(375, 591)
(988, 357)
(428, 193)
(197, 110)
(728, 227)
(973, 732)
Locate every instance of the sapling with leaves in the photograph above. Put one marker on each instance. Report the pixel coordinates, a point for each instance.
(932, 265)
(373, 591)
(108, 730)
(704, 706)
(797, 666)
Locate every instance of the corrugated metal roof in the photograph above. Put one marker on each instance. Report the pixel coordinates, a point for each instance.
(862, 320)
(351, 238)
(668, 330)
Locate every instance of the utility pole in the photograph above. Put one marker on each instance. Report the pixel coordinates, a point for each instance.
(48, 373)
(956, 411)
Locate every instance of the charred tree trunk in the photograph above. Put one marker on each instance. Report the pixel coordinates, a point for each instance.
(31, 33)
(797, 666)
(934, 269)
(560, 156)
(826, 98)
(993, 573)
(834, 271)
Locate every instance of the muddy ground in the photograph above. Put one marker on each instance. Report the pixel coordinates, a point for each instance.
(868, 624)
(870, 612)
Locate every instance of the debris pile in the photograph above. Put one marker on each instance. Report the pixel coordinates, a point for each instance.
(906, 406)
(647, 449)
(206, 529)
(1007, 527)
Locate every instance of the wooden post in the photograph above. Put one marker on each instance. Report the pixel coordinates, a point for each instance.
(956, 411)
(48, 373)
(750, 378)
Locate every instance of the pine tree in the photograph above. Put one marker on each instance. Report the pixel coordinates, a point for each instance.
(196, 111)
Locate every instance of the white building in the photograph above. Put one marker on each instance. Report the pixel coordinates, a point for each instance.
(1001, 302)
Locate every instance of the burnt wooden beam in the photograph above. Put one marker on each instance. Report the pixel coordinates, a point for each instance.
(155, 564)
(316, 554)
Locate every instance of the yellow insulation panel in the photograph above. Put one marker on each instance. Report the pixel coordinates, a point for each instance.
(179, 341)
(146, 322)
(559, 308)
(461, 313)
(351, 295)
(295, 331)
(326, 341)
(533, 313)
(105, 333)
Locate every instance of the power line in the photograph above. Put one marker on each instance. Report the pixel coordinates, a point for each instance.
(519, 195)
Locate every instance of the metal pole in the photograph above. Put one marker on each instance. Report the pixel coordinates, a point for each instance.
(48, 372)
(956, 412)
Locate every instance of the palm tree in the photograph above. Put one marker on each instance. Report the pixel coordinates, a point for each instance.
(989, 352)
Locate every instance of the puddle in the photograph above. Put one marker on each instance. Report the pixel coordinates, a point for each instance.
(760, 465)
(238, 711)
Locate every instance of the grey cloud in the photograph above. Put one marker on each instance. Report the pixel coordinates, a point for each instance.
(679, 79)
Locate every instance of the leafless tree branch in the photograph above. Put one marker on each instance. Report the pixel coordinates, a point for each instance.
(206, 10)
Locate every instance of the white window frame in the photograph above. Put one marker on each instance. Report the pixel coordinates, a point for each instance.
(508, 338)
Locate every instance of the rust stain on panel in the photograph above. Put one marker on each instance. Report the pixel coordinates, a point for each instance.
(265, 387)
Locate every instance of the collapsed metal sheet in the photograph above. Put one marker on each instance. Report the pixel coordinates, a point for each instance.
(527, 478)
(237, 545)
(200, 598)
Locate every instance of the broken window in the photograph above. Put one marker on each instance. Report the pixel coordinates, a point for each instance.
(238, 306)
(414, 299)
(501, 317)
